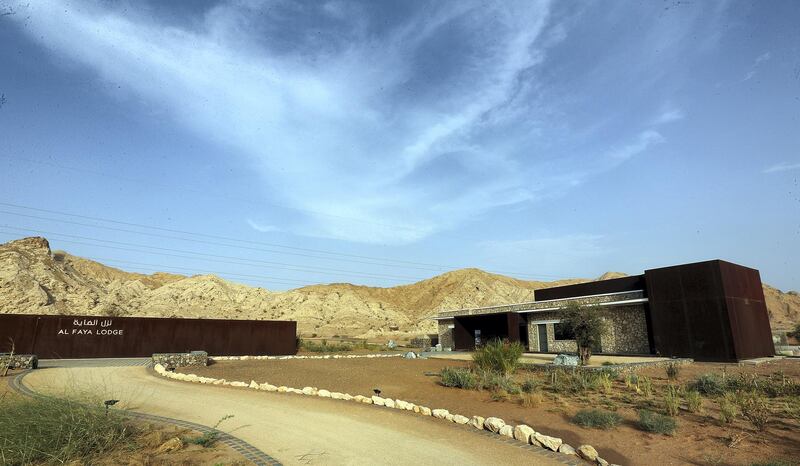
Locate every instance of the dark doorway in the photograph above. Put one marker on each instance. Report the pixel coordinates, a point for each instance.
(523, 336)
(542, 338)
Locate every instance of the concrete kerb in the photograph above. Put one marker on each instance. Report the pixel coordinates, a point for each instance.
(247, 450)
(536, 442)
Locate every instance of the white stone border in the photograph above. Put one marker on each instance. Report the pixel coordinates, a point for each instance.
(327, 356)
(522, 432)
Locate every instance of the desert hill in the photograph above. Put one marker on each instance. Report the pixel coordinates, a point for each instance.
(36, 280)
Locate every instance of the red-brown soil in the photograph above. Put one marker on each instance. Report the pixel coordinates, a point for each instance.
(700, 438)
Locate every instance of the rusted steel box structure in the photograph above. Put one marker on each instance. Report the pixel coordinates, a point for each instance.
(50, 336)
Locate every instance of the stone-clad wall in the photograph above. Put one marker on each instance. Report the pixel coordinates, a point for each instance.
(626, 334)
(19, 361)
(172, 360)
(446, 334)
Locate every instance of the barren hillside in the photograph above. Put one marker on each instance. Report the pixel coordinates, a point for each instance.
(35, 280)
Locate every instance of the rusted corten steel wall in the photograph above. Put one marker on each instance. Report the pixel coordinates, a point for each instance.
(114, 337)
(709, 311)
(613, 285)
(503, 326)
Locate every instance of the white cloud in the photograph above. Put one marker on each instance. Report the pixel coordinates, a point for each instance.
(643, 141)
(563, 255)
(261, 227)
(668, 115)
(782, 167)
(756, 64)
(328, 124)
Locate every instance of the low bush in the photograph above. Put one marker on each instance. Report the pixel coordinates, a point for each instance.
(209, 438)
(597, 419)
(498, 356)
(709, 384)
(489, 380)
(672, 370)
(324, 346)
(754, 408)
(56, 430)
(658, 423)
(529, 385)
(727, 408)
(672, 401)
(694, 401)
(458, 377)
(645, 386)
(531, 400)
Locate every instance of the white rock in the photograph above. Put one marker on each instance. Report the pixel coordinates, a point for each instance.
(267, 387)
(238, 384)
(337, 395)
(494, 424)
(253, 384)
(359, 398)
(388, 402)
(295, 390)
(376, 400)
(324, 393)
(523, 433)
(551, 443)
(459, 419)
(347, 396)
(477, 422)
(159, 369)
(587, 452)
(309, 391)
(415, 409)
(219, 381)
(507, 430)
(567, 449)
(440, 413)
(449, 417)
(601, 462)
(283, 389)
(400, 404)
(425, 411)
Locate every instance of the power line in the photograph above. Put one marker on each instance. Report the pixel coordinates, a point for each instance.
(388, 261)
(214, 257)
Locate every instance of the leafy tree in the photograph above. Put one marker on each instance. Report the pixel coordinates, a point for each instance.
(587, 325)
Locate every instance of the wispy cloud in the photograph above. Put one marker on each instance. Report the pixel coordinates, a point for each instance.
(343, 126)
(643, 141)
(669, 114)
(261, 227)
(782, 167)
(756, 64)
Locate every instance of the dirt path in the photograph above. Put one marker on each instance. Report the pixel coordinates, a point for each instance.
(293, 429)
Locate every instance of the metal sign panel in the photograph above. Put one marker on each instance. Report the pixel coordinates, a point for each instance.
(113, 337)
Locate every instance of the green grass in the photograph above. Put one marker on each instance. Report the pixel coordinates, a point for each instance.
(597, 419)
(324, 346)
(209, 438)
(658, 423)
(498, 356)
(55, 430)
(458, 377)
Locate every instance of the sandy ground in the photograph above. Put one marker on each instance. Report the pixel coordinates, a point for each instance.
(293, 429)
(539, 358)
(700, 438)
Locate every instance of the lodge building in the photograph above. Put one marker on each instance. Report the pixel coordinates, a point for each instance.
(709, 311)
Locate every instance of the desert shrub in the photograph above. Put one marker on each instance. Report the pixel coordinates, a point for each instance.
(597, 419)
(531, 400)
(458, 377)
(754, 408)
(606, 382)
(587, 325)
(576, 382)
(607, 363)
(694, 401)
(324, 346)
(646, 386)
(529, 385)
(776, 463)
(209, 438)
(791, 407)
(498, 356)
(672, 370)
(672, 401)
(709, 384)
(490, 380)
(631, 381)
(56, 430)
(658, 423)
(727, 408)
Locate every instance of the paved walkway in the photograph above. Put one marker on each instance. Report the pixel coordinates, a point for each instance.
(291, 428)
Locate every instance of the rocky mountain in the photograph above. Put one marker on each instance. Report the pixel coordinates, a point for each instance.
(36, 280)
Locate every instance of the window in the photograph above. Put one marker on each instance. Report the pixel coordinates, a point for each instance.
(562, 332)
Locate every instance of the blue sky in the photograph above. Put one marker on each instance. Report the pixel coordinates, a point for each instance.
(544, 139)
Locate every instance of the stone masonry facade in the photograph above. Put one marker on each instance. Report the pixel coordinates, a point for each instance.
(624, 313)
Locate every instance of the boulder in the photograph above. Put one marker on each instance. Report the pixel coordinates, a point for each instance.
(567, 449)
(459, 419)
(376, 400)
(324, 393)
(477, 422)
(159, 369)
(601, 462)
(253, 384)
(440, 413)
(267, 387)
(551, 443)
(410, 355)
(219, 382)
(295, 390)
(507, 430)
(359, 398)
(449, 417)
(309, 391)
(282, 389)
(337, 395)
(523, 433)
(238, 384)
(425, 411)
(347, 396)
(587, 452)
(494, 424)
(415, 409)
(566, 360)
(388, 402)
(400, 404)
